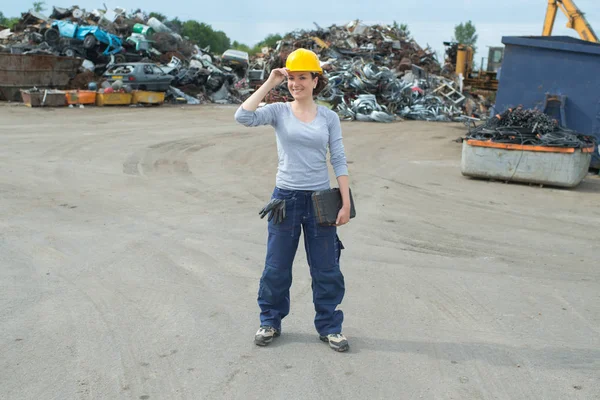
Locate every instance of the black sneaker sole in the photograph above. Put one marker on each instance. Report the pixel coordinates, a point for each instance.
(343, 347)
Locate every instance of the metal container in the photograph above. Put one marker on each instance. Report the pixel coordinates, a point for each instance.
(81, 97)
(44, 98)
(554, 166)
(25, 71)
(113, 99)
(558, 66)
(145, 97)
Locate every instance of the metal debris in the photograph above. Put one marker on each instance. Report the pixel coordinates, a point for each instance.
(131, 37)
(179, 94)
(375, 73)
(529, 127)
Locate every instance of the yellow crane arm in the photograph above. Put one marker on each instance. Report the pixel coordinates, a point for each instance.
(575, 20)
(550, 17)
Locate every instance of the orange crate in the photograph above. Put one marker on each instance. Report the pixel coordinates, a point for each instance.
(81, 97)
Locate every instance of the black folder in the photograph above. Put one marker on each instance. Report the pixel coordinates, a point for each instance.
(327, 205)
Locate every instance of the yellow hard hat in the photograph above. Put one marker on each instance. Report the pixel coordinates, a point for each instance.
(303, 60)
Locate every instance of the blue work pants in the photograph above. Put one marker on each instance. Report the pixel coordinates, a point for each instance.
(323, 249)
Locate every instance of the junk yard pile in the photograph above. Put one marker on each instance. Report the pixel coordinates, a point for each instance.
(375, 73)
(117, 51)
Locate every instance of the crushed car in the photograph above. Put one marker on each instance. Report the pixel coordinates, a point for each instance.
(142, 76)
(90, 36)
(236, 61)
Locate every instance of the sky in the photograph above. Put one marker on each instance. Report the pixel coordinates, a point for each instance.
(430, 22)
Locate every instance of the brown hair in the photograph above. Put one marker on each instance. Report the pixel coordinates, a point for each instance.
(321, 83)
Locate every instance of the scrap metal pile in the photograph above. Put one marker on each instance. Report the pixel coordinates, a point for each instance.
(107, 37)
(529, 127)
(375, 73)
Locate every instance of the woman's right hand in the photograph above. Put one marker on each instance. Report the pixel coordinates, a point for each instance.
(278, 75)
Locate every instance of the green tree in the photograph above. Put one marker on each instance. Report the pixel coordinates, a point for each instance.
(38, 6)
(158, 16)
(222, 41)
(256, 49)
(271, 40)
(240, 46)
(466, 34)
(402, 29)
(195, 31)
(203, 35)
(8, 22)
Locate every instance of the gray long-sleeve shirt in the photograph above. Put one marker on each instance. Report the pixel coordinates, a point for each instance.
(302, 147)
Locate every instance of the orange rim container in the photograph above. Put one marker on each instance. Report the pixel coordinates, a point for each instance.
(81, 97)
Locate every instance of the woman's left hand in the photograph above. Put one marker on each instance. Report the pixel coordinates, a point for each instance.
(343, 216)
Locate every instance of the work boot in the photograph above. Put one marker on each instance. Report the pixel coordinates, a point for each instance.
(337, 341)
(265, 335)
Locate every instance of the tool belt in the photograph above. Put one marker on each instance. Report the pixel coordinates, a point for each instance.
(328, 203)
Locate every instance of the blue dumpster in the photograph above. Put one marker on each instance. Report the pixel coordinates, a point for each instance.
(563, 69)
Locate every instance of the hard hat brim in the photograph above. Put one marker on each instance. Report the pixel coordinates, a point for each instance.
(305, 70)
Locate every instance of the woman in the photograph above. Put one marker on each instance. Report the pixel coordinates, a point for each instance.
(304, 132)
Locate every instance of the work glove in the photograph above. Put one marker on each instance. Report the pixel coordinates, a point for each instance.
(276, 210)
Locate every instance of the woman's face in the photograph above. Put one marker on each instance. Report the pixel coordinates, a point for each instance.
(301, 84)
